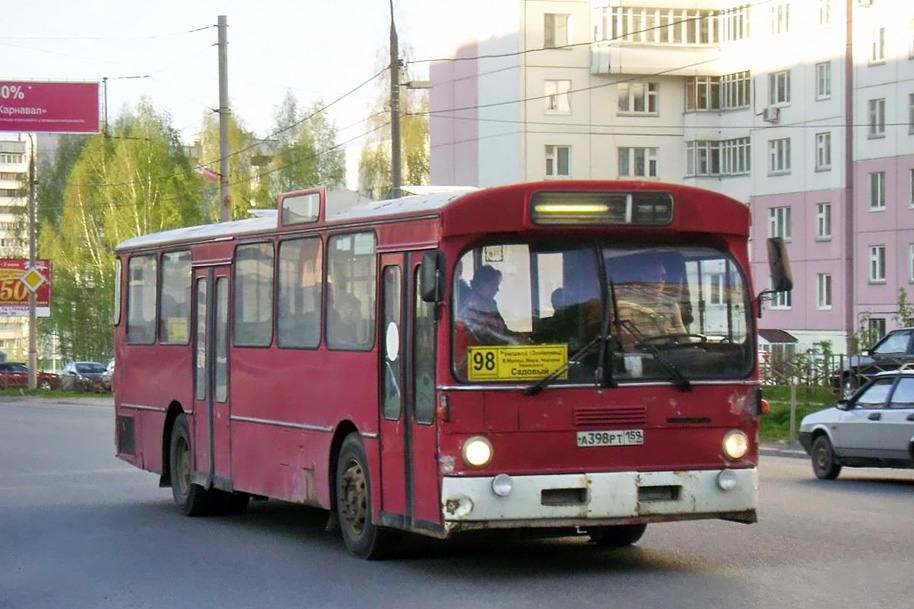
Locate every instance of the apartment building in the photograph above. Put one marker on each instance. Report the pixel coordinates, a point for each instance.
(15, 152)
(803, 109)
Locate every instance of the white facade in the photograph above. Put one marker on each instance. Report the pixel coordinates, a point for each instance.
(757, 100)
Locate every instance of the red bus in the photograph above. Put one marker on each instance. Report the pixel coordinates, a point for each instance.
(572, 356)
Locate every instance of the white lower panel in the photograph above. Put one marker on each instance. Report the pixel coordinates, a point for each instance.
(599, 496)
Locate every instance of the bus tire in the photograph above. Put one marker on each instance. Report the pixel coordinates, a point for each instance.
(617, 536)
(353, 502)
(191, 499)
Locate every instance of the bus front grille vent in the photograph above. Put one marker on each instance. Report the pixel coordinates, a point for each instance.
(597, 415)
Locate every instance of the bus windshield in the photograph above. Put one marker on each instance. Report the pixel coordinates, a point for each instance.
(598, 310)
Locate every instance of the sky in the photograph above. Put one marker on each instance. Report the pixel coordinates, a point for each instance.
(166, 50)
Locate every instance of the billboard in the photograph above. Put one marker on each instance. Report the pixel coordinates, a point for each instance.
(14, 294)
(49, 107)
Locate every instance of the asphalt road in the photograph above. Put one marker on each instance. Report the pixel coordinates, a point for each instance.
(78, 528)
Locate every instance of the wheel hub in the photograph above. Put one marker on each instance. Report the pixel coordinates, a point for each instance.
(354, 494)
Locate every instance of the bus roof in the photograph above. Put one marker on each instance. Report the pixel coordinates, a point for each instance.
(462, 208)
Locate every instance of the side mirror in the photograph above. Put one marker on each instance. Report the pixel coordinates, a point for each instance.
(431, 276)
(842, 404)
(779, 263)
(781, 275)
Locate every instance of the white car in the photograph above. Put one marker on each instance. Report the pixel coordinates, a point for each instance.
(873, 428)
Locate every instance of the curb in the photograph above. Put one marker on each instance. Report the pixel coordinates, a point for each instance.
(794, 451)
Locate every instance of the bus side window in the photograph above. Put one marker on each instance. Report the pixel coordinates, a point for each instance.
(252, 320)
(174, 316)
(141, 300)
(351, 288)
(298, 301)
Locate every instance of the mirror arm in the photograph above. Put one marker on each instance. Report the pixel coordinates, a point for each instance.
(764, 296)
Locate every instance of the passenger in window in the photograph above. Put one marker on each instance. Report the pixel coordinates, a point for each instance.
(479, 317)
(647, 307)
(344, 319)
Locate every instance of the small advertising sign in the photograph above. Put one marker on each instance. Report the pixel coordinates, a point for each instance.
(17, 279)
(49, 107)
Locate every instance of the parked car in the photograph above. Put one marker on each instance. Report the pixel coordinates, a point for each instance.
(894, 350)
(874, 428)
(84, 376)
(109, 375)
(15, 375)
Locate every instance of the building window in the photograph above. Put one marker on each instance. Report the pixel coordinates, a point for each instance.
(877, 118)
(877, 191)
(823, 221)
(734, 23)
(735, 156)
(823, 151)
(703, 158)
(911, 263)
(781, 300)
(557, 30)
(823, 80)
(558, 161)
(668, 26)
(823, 291)
(780, 18)
(11, 158)
(703, 93)
(779, 88)
(637, 162)
(558, 96)
(877, 264)
(824, 12)
(911, 187)
(911, 113)
(712, 158)
(639, 97)
(876, 328)
(734, 90)
(779, 156)
(877, 46)
(779, 223)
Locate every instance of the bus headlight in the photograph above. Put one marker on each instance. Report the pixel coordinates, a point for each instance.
(735, 444)
(477, 452)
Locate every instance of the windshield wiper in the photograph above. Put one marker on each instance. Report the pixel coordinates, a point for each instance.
(604, 339)
(629, 328)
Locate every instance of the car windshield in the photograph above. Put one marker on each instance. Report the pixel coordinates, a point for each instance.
(895, 342)
(521, 310)
(90, 368)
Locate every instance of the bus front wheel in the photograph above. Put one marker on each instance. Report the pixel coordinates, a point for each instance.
(353, 502)
(617, 536)
(191, 499)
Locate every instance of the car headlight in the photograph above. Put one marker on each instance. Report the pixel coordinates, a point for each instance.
(476, 452)
(735, 444)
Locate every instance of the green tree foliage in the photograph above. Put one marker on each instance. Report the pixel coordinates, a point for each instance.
(306, 150)
(244, 153)
(137, 181)
(374, 160)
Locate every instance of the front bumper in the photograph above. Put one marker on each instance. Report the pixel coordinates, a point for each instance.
(560, 500)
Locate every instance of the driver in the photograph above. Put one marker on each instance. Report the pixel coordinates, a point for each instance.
(646, 304)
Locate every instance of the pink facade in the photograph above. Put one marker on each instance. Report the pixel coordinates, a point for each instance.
(810, 255)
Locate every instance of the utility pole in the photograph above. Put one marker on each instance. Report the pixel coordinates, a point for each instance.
(33, 329)
(394, 108)
(224, 200)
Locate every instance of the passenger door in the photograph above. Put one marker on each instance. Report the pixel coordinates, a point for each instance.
(896, 428)
(857, 433)
(409, 441)
(212, 433)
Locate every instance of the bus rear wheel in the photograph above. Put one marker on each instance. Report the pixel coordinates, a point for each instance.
(617, 536)
(353, 503)
(191, 499)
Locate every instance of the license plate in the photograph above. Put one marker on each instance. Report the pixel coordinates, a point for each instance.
(616, 437)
